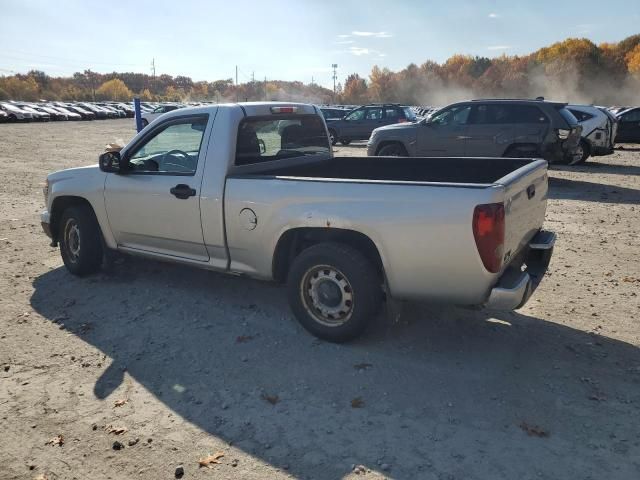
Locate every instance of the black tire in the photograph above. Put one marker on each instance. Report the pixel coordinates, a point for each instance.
(521, 151)
(13, 118)
(586, 152)
(393, 150)
(347, 273)
(80, 240)
(144, 122)
(333, 136)
(345, 142)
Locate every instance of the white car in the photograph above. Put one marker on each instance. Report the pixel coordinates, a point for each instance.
(147, 118)
(599, 127)
(16, 114)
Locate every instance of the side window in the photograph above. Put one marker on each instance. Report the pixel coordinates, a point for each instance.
(391, 113)
(458, 115)
(172, 150)
(631, 116)
(374, 113)
(532, 114)
(355, 115)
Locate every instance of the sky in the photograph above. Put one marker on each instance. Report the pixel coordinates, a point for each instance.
(289, 39)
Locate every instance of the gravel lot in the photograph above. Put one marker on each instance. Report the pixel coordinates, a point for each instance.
(193, 363)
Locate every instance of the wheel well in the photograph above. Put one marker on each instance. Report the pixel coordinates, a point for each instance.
(513, 146)
(390, 142)
(60, 204)
(294, 241)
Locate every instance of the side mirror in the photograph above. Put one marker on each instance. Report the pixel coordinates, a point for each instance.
(109, 162)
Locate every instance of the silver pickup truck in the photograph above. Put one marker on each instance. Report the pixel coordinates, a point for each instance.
(254, 189)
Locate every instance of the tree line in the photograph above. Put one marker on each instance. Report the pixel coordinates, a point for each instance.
(574, 70)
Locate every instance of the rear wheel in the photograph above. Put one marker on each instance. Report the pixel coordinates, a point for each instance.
(13, 118)
(586, 152)
(80, 240)
(334, 291)
(333, 136)
(392, 150)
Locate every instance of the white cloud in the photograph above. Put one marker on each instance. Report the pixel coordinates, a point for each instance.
(494, 15)
(359, 51)
(358, 33)
(344, 36)
(344, 42)
(499, 47)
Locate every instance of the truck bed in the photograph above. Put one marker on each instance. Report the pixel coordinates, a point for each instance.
(405, 169)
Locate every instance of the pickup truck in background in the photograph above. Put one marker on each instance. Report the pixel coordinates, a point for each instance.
(222, 187)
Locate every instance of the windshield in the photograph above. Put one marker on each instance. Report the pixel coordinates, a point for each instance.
(263, 139)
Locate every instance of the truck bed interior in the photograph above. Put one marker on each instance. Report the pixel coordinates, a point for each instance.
(441, 170)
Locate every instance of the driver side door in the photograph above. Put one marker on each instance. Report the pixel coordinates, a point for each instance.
(445, 134)
(153, 204)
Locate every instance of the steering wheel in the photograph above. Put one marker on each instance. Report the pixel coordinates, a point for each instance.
(188, 166)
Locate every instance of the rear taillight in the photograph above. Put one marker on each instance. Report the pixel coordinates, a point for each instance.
(488, 231)
(563, 134)
(402, 120)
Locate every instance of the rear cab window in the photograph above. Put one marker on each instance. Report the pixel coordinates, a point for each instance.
(265, 139)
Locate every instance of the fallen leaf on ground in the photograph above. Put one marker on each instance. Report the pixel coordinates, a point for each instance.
(211, 460)
(362, 366)
(57, 440)
(244, 338)
(357, 402)
(534, 430)
(42, 476)
(272, 399)
(119, 403)
(116, 430)
(630, 279)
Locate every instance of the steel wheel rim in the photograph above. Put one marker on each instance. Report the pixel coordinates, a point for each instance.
(327, 295)
(72, 240)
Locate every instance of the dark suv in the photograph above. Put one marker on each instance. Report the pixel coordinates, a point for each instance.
(486, 128)
(359, 123)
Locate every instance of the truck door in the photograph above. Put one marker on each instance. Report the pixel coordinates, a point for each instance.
(445, 134)
(153, 205)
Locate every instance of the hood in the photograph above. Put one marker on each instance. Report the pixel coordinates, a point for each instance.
(78, 172)
(397, 128)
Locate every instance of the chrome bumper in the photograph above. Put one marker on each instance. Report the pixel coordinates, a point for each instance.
(516, 285)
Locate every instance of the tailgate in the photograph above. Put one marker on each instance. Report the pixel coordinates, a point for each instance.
(525, 203)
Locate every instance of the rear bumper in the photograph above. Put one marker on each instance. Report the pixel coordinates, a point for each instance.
(516, 286)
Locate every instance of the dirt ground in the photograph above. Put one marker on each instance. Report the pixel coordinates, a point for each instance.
(178, 364)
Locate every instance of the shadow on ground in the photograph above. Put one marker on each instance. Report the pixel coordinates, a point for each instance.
(446, 392)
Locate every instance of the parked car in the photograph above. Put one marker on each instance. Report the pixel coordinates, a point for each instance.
(359, 123)
(85, 113)
(99, 112)
(149, 117)
(486, 128)
(14, 113)
(38, 116)
(53, 113)
(629, 126)
(115, 112)
(3, 116)
(281, 208)
(70, 115)
(599, 129)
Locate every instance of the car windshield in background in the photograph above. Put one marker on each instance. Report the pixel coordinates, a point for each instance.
(263, 139)
(409, 114)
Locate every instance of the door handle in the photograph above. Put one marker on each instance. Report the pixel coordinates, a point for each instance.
(182, 191)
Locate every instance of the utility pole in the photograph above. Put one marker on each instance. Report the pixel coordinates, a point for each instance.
(253, 77)
(265, 88)
(236, 83)
(153, 68)
(334, 66)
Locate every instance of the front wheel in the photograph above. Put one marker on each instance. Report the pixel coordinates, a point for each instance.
(345, 142)
(334, 291)
(80, 240)
(392, 150)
